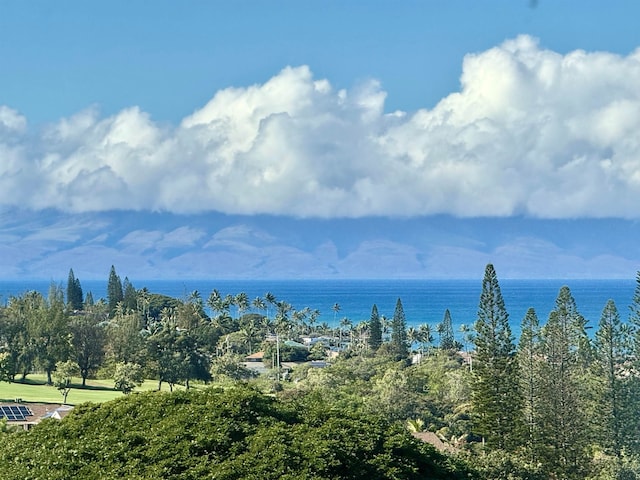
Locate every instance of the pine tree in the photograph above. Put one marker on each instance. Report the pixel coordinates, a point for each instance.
(130, 296)
(496, 399)
(114, 291)
(74, 292)
(564, 393)
(529, 363)
(630, 438)
(613, 354)
(399, 345)
(375, 329)
(447, 338)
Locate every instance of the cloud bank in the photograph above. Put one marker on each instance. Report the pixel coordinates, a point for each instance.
(530, 132)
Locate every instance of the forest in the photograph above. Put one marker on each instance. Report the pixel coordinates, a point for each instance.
(559, 402)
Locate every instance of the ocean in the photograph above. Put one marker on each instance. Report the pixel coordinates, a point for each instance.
(424, 301)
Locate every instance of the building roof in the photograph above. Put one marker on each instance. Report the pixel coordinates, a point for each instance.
(39, 411)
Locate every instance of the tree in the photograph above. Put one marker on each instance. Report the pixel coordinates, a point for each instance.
(230, 433)
(336, 308)
(74, 293)
(241, 301)
(127, 376)
(125, 340)
(115, 294)
(447, 339)
(614, 353)
(345, 325)
(425, 336)
(564, 390)
(49, 329)
(62, 377)
(496, 400)
(399, 345)
(375, 329)
(632, 441)
(129, 296)
(5, 367)
(529, 362)
(229, 366)
(87, 343)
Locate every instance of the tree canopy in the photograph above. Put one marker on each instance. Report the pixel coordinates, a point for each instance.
(233, 434)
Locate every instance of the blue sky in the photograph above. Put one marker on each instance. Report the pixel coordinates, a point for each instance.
(332, 139)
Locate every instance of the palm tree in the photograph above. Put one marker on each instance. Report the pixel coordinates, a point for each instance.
(345, 324)
(425, 335)
(466, 335)
(259, 304)
(299, 317)
(241, 300)
(413, 335)
(313, 318)
(270, 298)
(362, 329)
(282, 321)
(215, 302)
(336, 309)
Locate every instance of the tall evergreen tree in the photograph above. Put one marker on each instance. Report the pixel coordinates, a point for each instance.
(529, 359)
(564, 393)
(129, 296)
(447, 338)
(496, 399)
(115, 294)
(74, 292)
(632, 426)
(613, 353)
(399, 345)
(375, 329)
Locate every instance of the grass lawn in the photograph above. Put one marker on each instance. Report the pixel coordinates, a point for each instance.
(34, 389)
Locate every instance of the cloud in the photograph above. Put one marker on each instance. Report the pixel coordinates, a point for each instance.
(530, 132)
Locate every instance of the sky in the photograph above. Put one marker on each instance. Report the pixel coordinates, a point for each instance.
(288, 139)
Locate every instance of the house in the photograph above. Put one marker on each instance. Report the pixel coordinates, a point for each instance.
(26, 414)
(254, 357)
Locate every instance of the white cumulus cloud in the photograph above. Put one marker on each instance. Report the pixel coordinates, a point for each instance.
(530, 132)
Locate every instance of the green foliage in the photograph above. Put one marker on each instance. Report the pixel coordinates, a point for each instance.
(564, 390)
(115, 294)
(530, 383)
(87, 343)
(288, 353)
(127, 376)
(230, 367)
(74, 292)
(317, 351)
(445, 329)
(399, 346)
(62, 377)
(5, 367)
(502, 465)
(496, 399)
(232, 434)
(375, 329)
(129, 296)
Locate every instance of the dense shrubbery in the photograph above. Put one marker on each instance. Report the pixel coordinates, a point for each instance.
(233, 434)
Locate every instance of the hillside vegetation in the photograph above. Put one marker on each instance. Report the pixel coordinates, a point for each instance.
(223, 434)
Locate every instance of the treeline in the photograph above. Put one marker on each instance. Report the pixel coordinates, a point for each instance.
(235, 433)
(562, 402)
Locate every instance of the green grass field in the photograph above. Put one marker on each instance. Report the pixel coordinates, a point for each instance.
(35, 389)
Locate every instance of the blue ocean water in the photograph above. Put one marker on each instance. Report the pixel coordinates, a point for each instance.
(424, 301)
